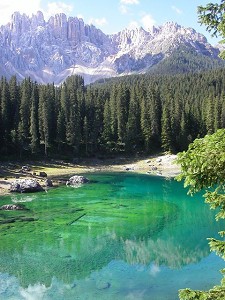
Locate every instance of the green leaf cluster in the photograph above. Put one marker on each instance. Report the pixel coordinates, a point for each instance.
(213, 16)
(203, 167)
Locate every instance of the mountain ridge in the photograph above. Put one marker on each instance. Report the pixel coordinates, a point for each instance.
(49, 51)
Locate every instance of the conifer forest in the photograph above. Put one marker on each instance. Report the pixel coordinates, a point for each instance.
(131, 114)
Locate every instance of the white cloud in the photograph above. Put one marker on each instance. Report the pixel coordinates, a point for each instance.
(8, 7)
(124, 5)
(177, 10)
(54, 8)
(98, 22)
(127, 2)
(147, 21)
(123, 9)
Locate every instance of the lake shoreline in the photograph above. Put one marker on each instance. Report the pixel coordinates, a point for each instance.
(160, 165)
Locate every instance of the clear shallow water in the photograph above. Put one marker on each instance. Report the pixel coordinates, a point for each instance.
(123, 236)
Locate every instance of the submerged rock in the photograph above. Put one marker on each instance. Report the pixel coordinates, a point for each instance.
(27, 219)
(25, 186)
(77, 180)
(13, 207)
(102, 285)
(18, 219)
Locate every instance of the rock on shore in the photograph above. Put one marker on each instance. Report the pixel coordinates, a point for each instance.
(25, 186)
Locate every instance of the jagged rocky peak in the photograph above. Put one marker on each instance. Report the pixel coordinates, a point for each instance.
(174, 29)
(131, 37)
(76, 30)
(58, 25)
(95, 35)
(37, 20)
(153, 30)
(50, 50)
(20, 23)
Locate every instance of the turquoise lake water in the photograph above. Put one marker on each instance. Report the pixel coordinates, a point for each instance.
(122, 236)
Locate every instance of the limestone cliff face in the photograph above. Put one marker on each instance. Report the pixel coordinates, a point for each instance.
(51, 50)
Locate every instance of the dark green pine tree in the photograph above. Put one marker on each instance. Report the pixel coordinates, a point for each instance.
(86, 135)
(62, 117)
(133, 130)
(95, 99)
(183, 133)
(52, 112)
(34, 137)
(176, 111)
(14, 92)
(5, 114)
(113, 112)
(155, 117)
(87, 119)
(1, 130)
(222, 117)
(73, 130)
(44, 119)
(217, 113)
(61, 131)
(150, 119)
(24, 115)
(107, 132)
(97, 124)
(166, 135)
(122, 104)
(64, 103)
(209, 115)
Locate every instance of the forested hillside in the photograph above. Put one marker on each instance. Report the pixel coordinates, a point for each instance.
(185, 60)
(142, 113)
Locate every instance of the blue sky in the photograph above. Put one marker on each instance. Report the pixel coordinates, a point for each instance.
(114, 15)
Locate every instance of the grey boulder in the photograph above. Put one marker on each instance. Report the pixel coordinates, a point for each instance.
(25, 186)
(77, 180)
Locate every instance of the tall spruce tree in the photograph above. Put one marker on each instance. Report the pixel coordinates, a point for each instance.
(44, 119)
(14, 91)
(24, 115)
(209, 118)
(73, 130)
(60, 130)
(86, 135)
(107, 132)
(133, 130)
(34, 137)
(5, 113)
(113, 112)
(166, 136)
(122, 100)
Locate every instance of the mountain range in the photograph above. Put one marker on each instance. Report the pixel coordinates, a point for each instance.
(49, 51)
